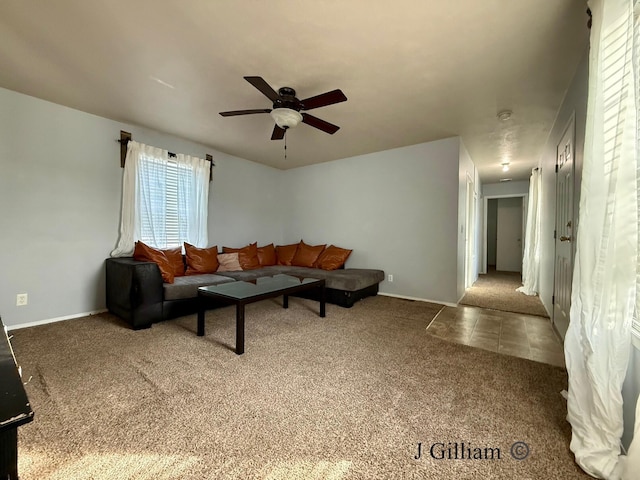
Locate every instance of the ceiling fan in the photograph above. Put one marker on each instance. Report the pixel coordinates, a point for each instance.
(286, 108)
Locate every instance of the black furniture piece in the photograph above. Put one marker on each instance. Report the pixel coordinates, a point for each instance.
(15, 409)
(243, 293)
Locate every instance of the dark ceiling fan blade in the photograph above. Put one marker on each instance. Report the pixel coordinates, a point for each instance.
(244, 112)
(278, 133)
(324, 99)
(320, 124)
(264, 87)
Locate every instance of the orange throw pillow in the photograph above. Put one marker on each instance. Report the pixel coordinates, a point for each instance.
(267, 255)
(306, 255)
(285, 253)
(145, 253)
(247, 256)
(333, 258)
(201, 260)
(174, 255)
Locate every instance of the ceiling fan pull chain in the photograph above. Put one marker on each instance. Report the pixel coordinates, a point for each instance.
(285, 143)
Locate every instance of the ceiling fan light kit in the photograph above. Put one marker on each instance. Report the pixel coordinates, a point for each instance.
(286, 117)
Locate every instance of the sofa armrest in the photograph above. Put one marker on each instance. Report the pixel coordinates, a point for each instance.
(134, 291)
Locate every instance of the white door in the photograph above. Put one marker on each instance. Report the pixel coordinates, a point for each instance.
(564, 232)
(509, 242)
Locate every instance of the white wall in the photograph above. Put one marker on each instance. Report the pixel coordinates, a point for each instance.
(630, 393)
(401, 210)
(397, 210)
(505, 189)
(60, 194)
(245, 204)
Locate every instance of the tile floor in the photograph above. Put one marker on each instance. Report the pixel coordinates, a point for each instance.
(513, 334)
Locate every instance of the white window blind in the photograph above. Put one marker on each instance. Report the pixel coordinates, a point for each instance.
(165, 188)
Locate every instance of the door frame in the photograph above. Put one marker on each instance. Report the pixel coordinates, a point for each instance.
(485, 207)
(471, 247)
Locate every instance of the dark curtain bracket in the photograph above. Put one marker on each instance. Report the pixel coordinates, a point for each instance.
(125, 142)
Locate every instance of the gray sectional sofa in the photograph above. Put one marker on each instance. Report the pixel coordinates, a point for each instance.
(137, 294)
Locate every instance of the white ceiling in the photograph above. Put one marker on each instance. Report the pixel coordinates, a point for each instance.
(413, 70)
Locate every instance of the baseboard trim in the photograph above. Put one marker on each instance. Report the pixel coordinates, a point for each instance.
(54, 320)
(416, 299)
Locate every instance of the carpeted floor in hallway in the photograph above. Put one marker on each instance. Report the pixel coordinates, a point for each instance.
(496, 290)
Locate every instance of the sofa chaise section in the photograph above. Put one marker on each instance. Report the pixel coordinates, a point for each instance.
(344, 287)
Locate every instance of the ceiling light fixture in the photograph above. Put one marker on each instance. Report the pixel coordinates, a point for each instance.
(286, 117)
(505, 167)
(504, 115)
(506, 179)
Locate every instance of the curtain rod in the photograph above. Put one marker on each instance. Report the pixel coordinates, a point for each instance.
(125, 141)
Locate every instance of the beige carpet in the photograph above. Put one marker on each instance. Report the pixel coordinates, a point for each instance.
(345, 397)
(497, 291)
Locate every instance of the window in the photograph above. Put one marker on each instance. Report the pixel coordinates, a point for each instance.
(164, 199)
(164, 213)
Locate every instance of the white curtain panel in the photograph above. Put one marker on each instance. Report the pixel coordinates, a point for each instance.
(598, 340)
(531, 258)
(129, 226)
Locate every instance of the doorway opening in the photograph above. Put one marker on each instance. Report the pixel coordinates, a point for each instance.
(504, 227)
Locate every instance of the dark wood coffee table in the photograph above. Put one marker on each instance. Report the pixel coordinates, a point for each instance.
(242, 293)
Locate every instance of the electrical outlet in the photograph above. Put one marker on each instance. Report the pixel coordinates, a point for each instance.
(21, 299)
(390, 278)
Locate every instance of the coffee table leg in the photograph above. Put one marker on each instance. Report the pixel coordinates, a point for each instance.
(239, 329)
(323, 300)
(200, 317)
(285, 301)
